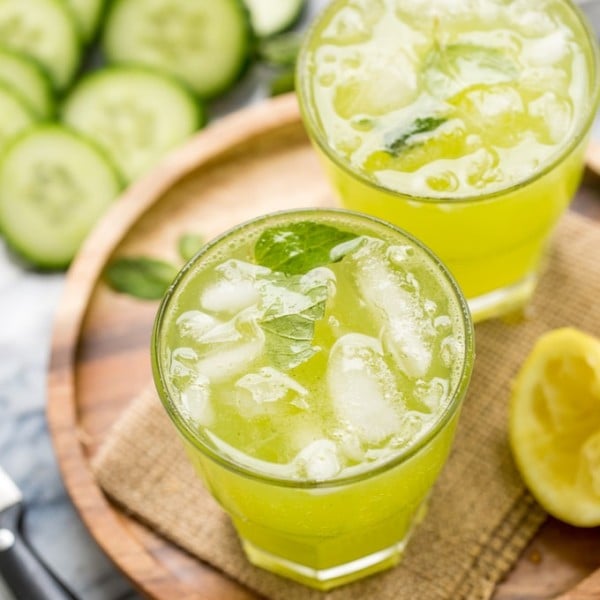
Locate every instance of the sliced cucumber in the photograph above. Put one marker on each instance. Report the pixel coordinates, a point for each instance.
(15, 115)
(54, 186)
(25, 76)
(87, 14)
(44, 30)
(135, 114)
(273, 16)
(205, 43)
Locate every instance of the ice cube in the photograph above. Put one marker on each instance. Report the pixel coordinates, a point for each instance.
(433, 394)
(498, 114)
(362, 388)
(229, 297)
(195, 323)
(321, 276)
(443, 322)
(546, 51)
(195, 402)
(231, 331)
(403, 339)
(405, 325)
(450, 348)
(399, 255)
(379, 88)
(349, 444)
(229, 359)
(237, 270)
(529, 21)
(270, 385)
(483, 167)
(236, 289)
(412, 425)
(182, 365)
(542, 79)
(430, 307)
(278, 297)
(555, 116)
(318, 461)
(347, 27)
(486, 105)
(452, 69)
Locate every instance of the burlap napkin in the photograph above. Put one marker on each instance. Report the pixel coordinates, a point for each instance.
(480, 517)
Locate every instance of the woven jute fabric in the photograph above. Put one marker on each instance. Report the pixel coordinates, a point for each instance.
(480, 516)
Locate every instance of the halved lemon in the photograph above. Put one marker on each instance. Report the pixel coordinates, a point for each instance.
(554, 425)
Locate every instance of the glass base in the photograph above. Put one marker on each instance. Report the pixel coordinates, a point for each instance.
(326, 579)
(331, 577)
(503, 302)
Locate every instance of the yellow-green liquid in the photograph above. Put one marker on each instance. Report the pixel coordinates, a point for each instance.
(464, 123)
(323, 462)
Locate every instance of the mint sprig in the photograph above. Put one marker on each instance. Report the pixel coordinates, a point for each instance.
(140, 277)
(299, 247)
(292, 305)
(398, 140)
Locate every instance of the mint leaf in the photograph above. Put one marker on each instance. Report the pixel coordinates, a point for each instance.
(299, 247)
(398, 140)
(140, 277)
(292, 305)
(188, 244)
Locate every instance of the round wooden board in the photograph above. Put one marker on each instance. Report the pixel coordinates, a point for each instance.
(253, 162)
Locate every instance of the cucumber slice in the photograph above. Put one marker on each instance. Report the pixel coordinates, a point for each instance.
(26, 77)
(87, 14)
(273, 16)
(44, 30)
(205, 43)
(135, 114)
(15, 115)
(54, 186)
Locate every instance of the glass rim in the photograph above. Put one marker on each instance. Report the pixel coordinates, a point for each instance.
(591, 50)
(396, 458)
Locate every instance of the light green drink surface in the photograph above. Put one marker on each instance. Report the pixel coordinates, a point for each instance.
(447, 97)
(323, 373)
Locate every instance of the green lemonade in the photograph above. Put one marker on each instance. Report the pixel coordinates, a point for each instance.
(315, 363)
(463, 122)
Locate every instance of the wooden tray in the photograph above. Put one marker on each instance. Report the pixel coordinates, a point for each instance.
(253, 162)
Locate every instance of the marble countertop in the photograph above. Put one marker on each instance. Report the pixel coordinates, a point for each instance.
(27, 304)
